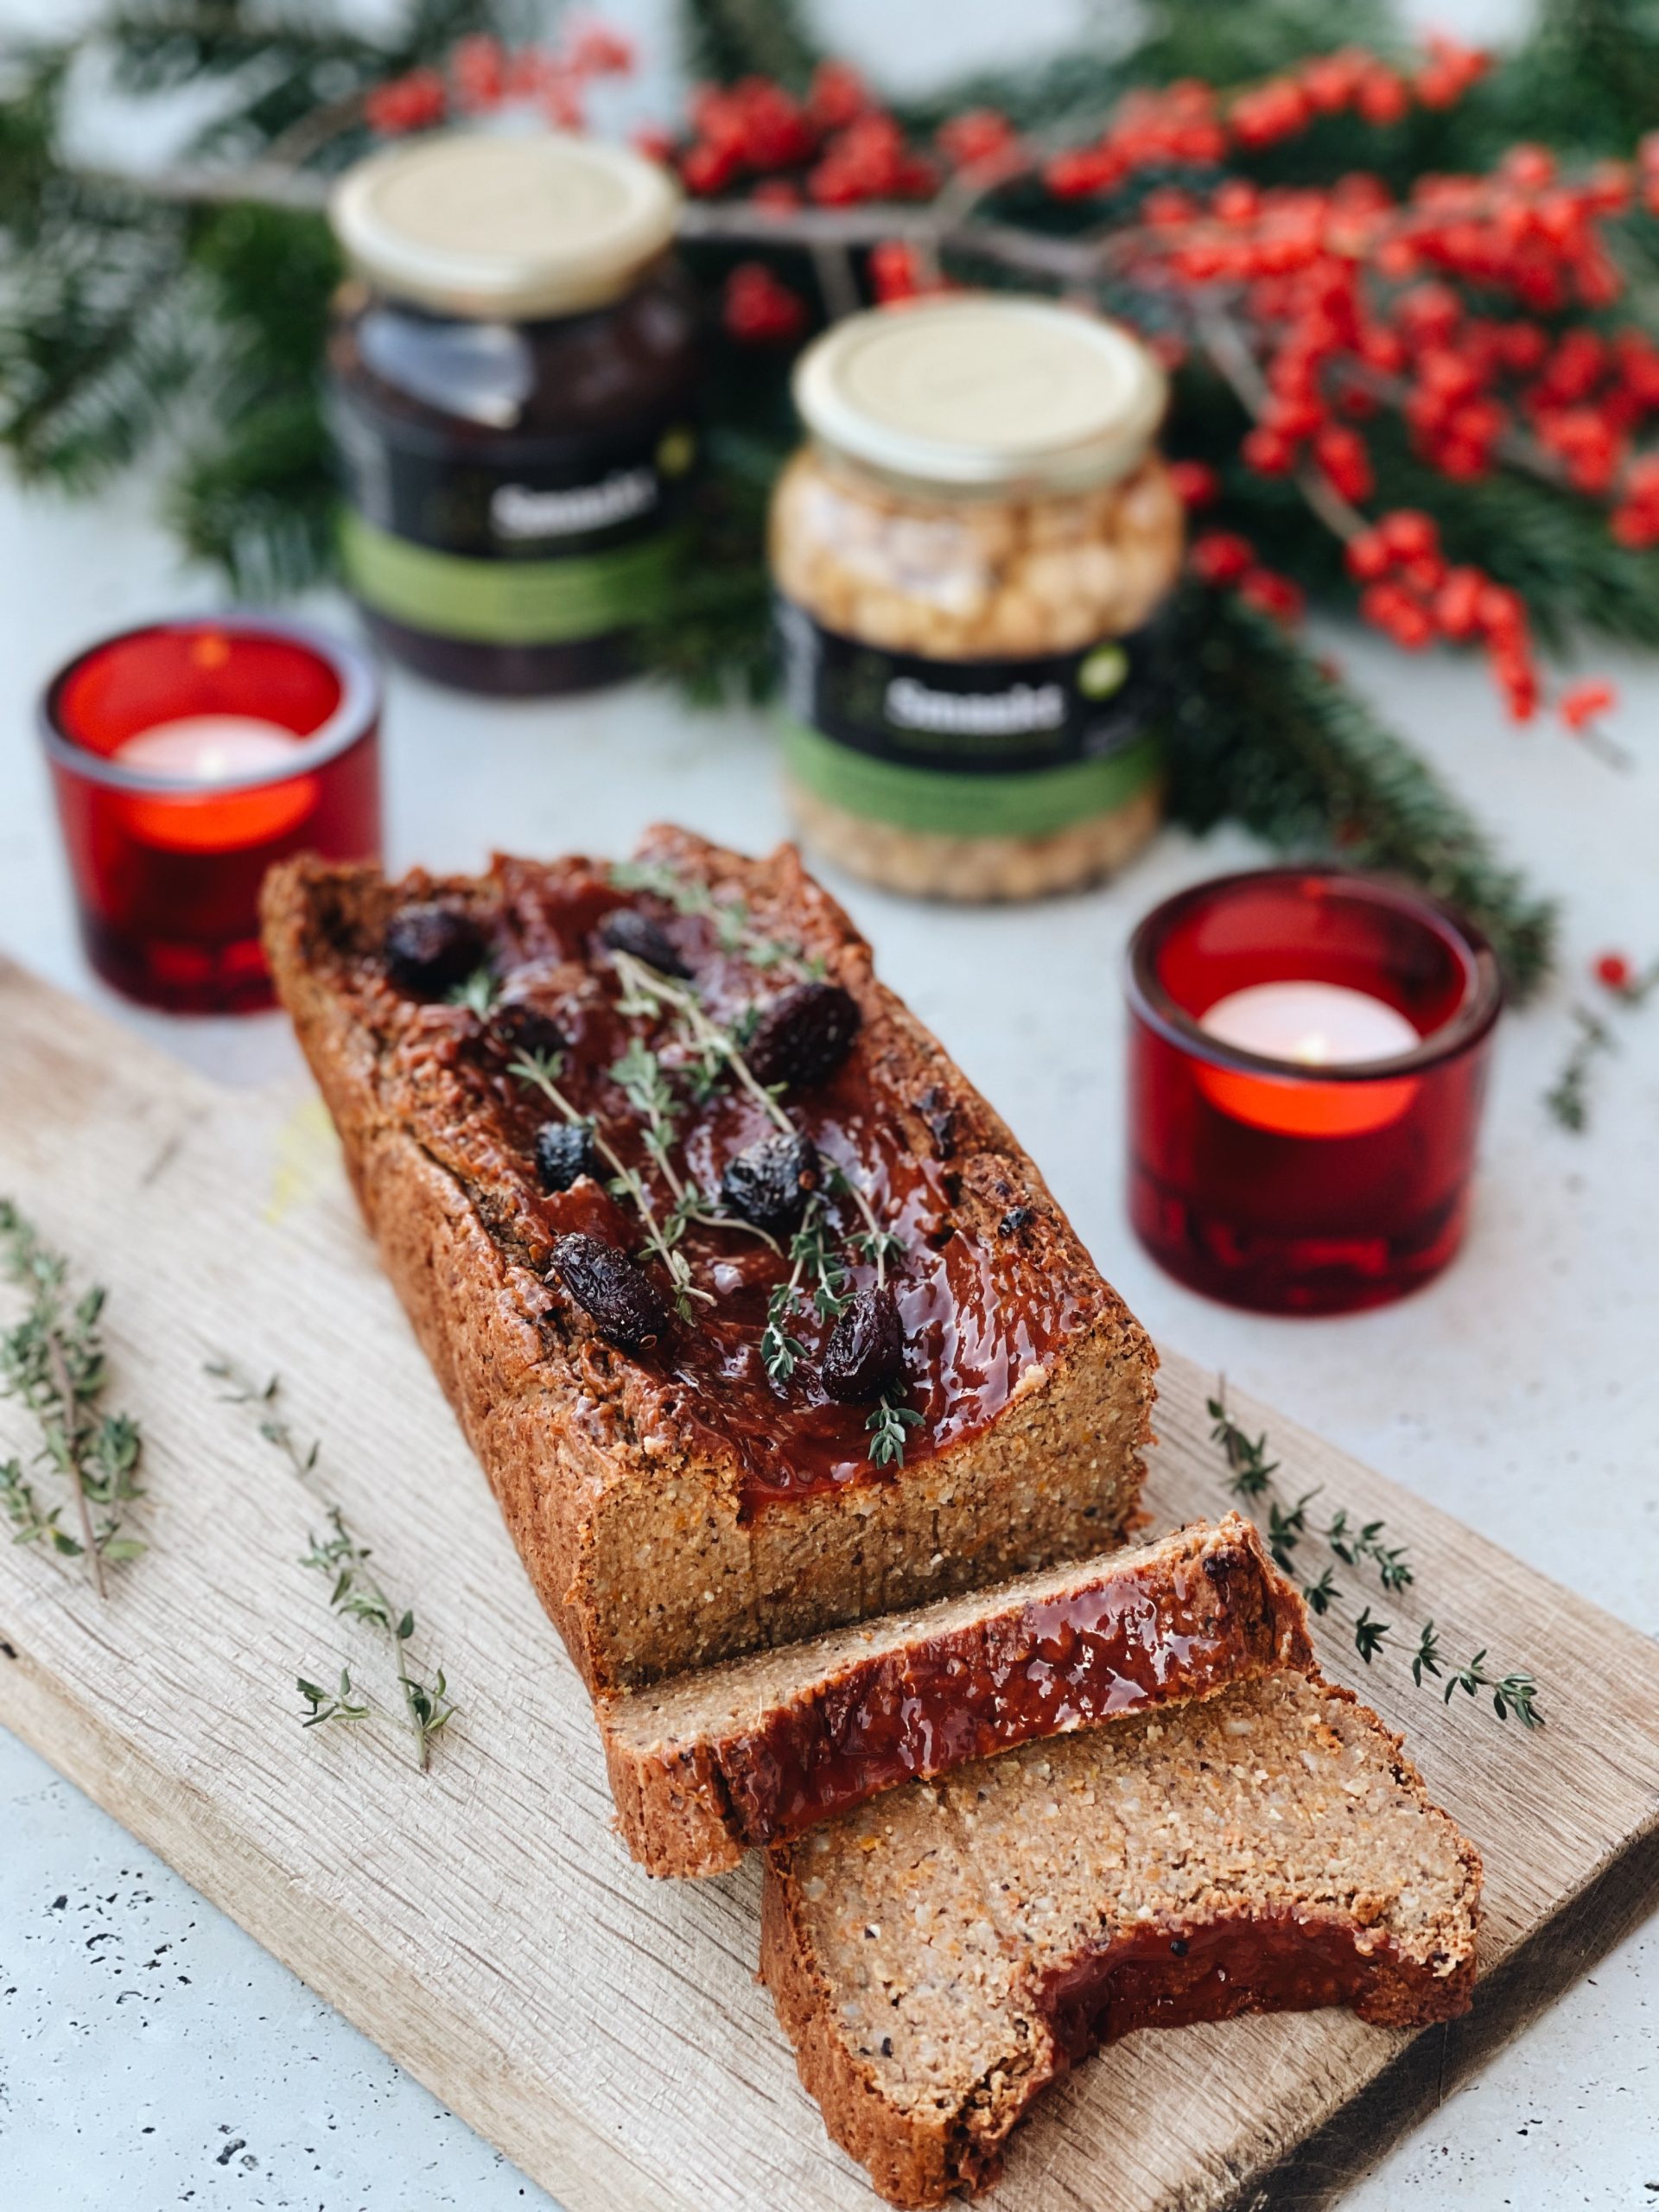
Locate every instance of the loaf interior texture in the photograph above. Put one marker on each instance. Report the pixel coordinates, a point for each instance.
(678, 1503)
(941, 1955)
(754, 1750)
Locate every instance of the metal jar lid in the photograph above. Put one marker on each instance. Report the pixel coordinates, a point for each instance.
(513, 228)
(982, 392)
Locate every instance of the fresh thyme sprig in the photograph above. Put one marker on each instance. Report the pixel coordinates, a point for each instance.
(733, 926)
(647, 992)
(809, 1252)
(53, 1360)
(541, 1070)
(359, 1596)
(32, 1524)
(1515, 1694)
(338, 1705)
(356, 1592)
(1358, 1545)
(477, 992)
(887, 1424)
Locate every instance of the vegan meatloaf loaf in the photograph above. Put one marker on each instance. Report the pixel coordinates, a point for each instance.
(757, 1750)
(942, 1954)
(757, 1316)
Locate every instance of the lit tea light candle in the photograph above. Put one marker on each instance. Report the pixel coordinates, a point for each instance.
(188, 757)
(1307, 1053)
(231, 762)
(209, 749)
(1313, 1024)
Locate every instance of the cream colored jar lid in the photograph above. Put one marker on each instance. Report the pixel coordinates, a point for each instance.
(484, 227)
(983, 392)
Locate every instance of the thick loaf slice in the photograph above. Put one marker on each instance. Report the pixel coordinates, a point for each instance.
(755, 1750)
(685, 1488)
(942, 1954)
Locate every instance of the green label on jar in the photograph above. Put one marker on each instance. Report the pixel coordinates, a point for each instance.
(1035, 804)
(506, 602)
(1017, 747)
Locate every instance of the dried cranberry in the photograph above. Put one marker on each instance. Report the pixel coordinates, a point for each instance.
(623, 1301)
(524, 1028)
(625, 930)
(564, 1153)
(431, 949)
(804, 1034)
(769, 1183)
(865, 1351)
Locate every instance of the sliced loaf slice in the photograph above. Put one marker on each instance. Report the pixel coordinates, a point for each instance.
(942, 1953)
(757, 1750)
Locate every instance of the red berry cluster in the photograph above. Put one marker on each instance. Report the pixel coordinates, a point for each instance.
(1190, 123)
(897, 273)
(1410, 591)
(1222, 557)
(759, 307)
(836, 146)
(482, 72)
(1348, 305)
(1584, 704)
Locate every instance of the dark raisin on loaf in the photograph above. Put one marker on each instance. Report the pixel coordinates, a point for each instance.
(941, 1955)
(676, 1496)
(756, 1750)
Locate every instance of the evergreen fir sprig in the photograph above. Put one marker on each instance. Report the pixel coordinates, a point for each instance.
(356, 1592)
(1358, 1545)
(1267, 736)
(53, 1360)
(1568, 1097)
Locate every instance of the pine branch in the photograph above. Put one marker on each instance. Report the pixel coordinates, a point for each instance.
(1266, 736)
(723, 40)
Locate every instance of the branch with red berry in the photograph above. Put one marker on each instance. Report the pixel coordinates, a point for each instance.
(1412, 378)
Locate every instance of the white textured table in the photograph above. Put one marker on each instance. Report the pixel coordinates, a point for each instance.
(151, 2056)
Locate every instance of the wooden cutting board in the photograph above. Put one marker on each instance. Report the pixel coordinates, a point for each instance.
(480, 1921)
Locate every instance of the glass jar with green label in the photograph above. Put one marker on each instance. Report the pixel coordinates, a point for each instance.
(970, 556)
(511, 371)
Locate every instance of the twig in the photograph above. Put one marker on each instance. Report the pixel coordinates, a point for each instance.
(1225, 344)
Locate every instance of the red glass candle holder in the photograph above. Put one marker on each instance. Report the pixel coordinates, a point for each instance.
(167, 862)
(1290, 1187)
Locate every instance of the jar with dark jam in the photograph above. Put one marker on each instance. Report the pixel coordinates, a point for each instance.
(511, 370)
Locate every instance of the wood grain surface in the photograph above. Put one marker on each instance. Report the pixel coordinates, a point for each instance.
(480, 1921)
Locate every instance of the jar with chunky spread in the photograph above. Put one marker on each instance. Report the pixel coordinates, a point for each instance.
(970, 555)
(512, 369)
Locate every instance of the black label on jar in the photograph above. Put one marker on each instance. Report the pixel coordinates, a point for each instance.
(542, 544)
(968, 717)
